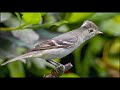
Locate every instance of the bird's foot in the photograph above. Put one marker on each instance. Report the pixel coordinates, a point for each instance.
(60, 69)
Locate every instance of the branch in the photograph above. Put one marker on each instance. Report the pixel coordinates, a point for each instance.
(61, 70)
(14, 28)
(7, 29)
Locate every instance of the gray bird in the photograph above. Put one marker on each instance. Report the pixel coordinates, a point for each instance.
(62, 45)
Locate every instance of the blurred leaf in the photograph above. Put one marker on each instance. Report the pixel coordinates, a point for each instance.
(46, 34)
(32, 18)
(16, 69)
(63, 28)
(100, 69)
(97, 41)
(4, 16)
(35, 67)
(4, 72)
(115, 48)
(69, 75)
(111, 27)
(7, 48)
(20, 50)
(102, 16)
(77, 57)
(114, 63)
(26, 35)
(39, 63)
(59, 23)
(75, 17)
(117, 18)
(87, 61)
(19, 18)
(1, 60)
(43, 13)
(12, 22)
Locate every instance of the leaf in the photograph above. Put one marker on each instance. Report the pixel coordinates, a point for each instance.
(63, 28)
(32, 18)
(100, 69)
(111, 26)
(114, 63)
(77, 57)
(26, 35)
(59, 23)
(102, 16)
(97, 41)
(75, 17)
(117, 18)
(4, 17)
(69, 75)
(115, 47)
(16, 69)
(43, 13)
(19, 18)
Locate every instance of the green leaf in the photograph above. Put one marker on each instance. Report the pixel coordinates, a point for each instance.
(111, 26)
(19, 18)
(43, 13)
(87, 62)
(115, 47)
(101, 71)
(77, 57)
(117, 18)
(114, 62)
(59, 23)
(4, 16)
(69, 75)
(75, 17)
(97, 41)
(32, 18)
(102, 16)
(16, 69)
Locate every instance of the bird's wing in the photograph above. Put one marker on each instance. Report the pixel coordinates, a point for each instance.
(65, 42)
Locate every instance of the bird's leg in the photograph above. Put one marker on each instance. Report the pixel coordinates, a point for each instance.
(53, 63)
(58, 66)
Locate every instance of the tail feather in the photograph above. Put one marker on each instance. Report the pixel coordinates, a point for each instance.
(27, 55)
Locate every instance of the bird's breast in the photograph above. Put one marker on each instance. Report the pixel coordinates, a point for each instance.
(56, 53)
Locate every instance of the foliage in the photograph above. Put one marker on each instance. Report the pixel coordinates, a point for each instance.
(98, 57)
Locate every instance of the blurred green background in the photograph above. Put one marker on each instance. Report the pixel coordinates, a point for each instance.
(97, 57)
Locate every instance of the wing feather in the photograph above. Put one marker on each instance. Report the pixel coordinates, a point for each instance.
(56, 43)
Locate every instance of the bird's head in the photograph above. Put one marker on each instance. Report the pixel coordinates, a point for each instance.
(89, 29)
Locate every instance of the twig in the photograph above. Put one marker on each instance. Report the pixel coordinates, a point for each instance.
(61, 70)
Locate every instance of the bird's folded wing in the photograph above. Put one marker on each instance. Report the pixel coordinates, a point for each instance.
(65, 42)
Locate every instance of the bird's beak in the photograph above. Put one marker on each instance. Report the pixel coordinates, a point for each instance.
(99, 32)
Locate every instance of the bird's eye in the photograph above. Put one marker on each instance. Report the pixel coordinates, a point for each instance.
(91, 30)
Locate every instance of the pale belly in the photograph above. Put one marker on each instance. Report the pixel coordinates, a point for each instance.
(56, 53)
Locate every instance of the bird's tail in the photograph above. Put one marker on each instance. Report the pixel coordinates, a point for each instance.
(21, 57)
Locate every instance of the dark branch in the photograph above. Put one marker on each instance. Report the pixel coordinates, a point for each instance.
(55, 74)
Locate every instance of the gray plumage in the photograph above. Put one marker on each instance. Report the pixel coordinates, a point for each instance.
(62, 45)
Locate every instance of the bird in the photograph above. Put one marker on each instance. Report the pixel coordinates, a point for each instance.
(61, 45)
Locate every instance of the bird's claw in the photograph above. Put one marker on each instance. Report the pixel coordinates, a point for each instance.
(60, 69)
